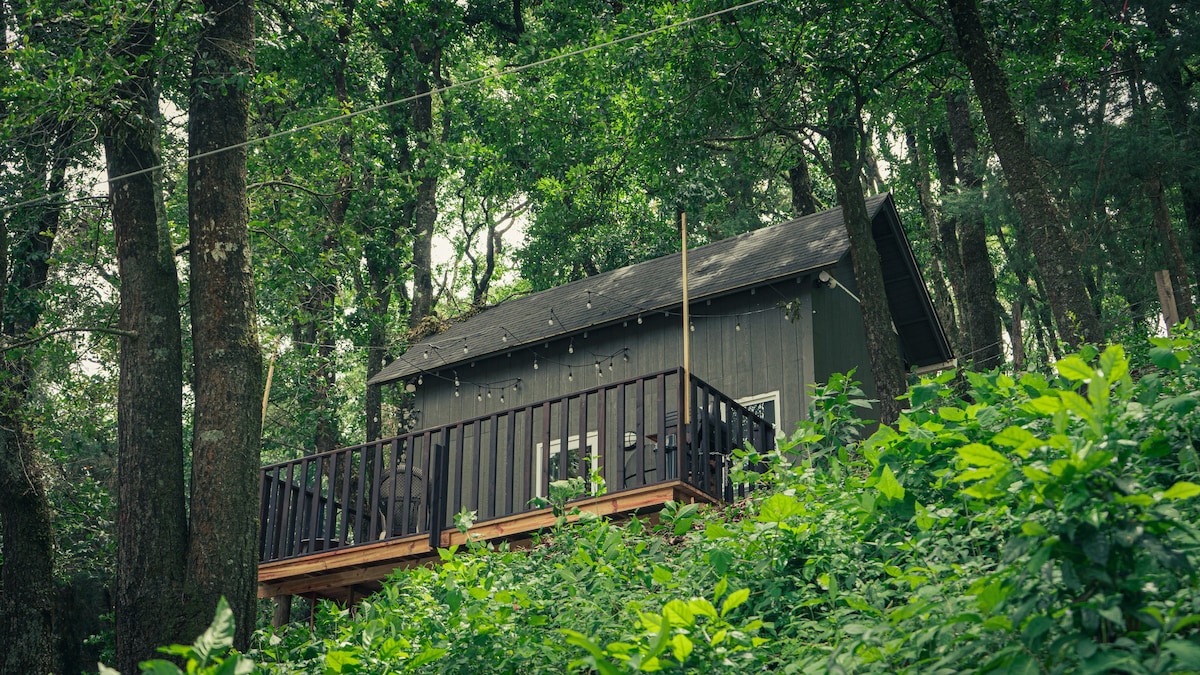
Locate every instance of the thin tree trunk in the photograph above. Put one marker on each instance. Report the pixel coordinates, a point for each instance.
(222, 550)
(1043, 223)
(151, 522)
(943, 156)
(979, 279)
(943, 303)
(883, 349)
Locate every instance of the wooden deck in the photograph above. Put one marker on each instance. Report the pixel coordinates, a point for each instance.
(349, 574)
(334, 524)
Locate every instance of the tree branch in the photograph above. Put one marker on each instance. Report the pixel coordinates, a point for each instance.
(78, 329)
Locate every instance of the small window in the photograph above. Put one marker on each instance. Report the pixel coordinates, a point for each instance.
(765, 406)
(592, 461)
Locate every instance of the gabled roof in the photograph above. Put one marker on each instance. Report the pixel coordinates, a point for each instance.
(751, 259)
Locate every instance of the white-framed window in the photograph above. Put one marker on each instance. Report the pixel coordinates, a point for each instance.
(765, 406)
(572, 458)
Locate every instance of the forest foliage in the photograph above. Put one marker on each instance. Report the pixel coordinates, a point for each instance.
(1037, 524)
(409, 163)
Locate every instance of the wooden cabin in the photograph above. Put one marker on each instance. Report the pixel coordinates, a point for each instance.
(585, 381)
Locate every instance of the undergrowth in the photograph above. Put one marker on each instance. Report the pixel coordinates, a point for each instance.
(1039, 524)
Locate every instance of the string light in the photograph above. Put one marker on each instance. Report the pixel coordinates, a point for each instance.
(465, 350)
(570, 375)
(427, 353)
(420, 379)
(571, 347)
(502, 398)
(692, 326)
(589, 300)
(478, 396)
(489, 392)
(639, 319)
(456, 392)
(535, 363)
(456, 379)
(738, 326)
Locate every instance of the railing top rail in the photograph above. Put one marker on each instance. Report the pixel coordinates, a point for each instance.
(473, 420)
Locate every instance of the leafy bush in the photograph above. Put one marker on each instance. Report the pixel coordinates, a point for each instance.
(1041, 523)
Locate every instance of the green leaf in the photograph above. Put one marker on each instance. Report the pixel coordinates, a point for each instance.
(430, 655)
(219, 635)
(337, 660)
(735, 600)
(1113, 363)
(1016, 437)
(1074, 368)
(662, 575)
(1182, 490)
(679, 614)
(888, 485)
(1032, 528)
(681, 647)
(1046, 405)
(978, 454)
(1164, 358)
(952, 414)
(718, 531)
(779, 507)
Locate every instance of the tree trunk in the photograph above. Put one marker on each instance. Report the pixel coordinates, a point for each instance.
(943, 303)
(883, 348)
(800, 180)
(1171, 250)
(1043, 223)
(26, 524)
(943, 156)
(425, 215)
(979, 279)
(222, 547)
(1166, 71)
(151, 522)
(26, 577)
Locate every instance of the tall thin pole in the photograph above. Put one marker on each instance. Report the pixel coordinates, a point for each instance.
(687, 333)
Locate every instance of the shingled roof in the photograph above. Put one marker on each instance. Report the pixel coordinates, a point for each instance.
(751, 259)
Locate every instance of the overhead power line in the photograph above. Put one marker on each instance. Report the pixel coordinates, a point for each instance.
(408, 99)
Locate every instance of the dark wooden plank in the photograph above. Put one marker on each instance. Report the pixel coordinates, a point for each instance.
(345, 497)
(455, 503)
(527, 454)
(288, 508)
(544, 478)
(477, 487)
(639, 425)
(327, 502)
(510, 470)
(493, 459)
(361, 495)
(602, 435)
(585, 455)
(376, 505)
(619, 455)
(564, 428)
(660, 423)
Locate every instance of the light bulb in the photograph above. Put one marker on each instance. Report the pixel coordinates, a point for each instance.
(456, 380)
(456, 393)
(550, 322)
(571, 348)
(502, 398)
(589, 304)
(489, 393)
(692, 326)
(570, 375)
(639, 319)
(478, 397)
(420, 379)
(426, 353)
(535, 364)
(625, 356)
(738, 327)
(465, 350)
(504, 338)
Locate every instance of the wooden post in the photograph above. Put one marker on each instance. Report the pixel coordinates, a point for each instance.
(1166, 296)
(1017, 336)
(687, 334)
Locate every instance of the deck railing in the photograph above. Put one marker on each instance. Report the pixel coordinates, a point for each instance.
(625, 434)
